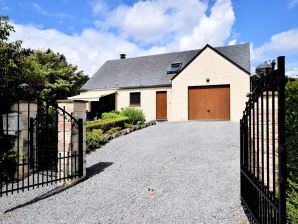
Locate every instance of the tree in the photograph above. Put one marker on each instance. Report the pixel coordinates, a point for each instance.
(60, 78)
(14, 67)
(47, 73)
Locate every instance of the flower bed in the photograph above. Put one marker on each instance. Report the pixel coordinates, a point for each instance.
(113, 125)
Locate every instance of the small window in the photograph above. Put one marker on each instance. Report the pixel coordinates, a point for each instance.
(174, 68)
(135, 99)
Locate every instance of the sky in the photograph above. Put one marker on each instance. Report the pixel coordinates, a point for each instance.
(90, 32)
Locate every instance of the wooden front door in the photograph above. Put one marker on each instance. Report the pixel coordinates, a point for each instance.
(209, 103)
(161, 105)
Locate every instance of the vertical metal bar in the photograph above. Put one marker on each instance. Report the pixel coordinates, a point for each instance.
(258, 140)
(64, 170)
(253, 151)
(75, 164)
(249, 140)
(47, 141)
(36, 159)
(273, 144)
(60, 167)
(282, 164)
(31, 130)
(6, 180)
(23, 173)
(262, 137)
(18, 149)
(28, 148)
(267, 140)
(80, 129)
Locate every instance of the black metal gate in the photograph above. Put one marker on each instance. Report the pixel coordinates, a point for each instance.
(40, 153)
(262, 148)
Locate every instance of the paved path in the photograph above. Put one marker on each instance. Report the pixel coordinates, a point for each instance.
(191, 169)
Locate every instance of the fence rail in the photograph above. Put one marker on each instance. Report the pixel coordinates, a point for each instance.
(262, 148)
(39, 149)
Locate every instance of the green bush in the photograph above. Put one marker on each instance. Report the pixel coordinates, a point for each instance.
(106, 125)
(128, 125)
(95, 139)
(292, 152)
(114, 130)
(111, 115)
(135, 115)
(7, 165)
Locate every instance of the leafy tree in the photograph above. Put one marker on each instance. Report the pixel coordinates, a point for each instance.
(14, 67)
(60, 78)
(48, 75)
(291, 144)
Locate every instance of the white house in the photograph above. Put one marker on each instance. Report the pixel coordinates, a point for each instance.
(207, 84)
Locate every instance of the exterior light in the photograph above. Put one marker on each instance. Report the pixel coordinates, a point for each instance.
(261, 68)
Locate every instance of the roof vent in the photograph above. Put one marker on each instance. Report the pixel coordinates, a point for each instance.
(122, 56)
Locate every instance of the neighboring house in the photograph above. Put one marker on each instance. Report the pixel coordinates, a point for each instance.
(207, 84)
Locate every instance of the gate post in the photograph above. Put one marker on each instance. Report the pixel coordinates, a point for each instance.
(24, 139)
(72, 139)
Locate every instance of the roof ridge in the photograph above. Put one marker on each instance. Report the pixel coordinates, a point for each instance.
(175, 52)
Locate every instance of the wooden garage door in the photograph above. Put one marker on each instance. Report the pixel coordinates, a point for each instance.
(161, 105)
(209, 103)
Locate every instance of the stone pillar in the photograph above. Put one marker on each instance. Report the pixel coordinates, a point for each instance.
(21, 146)
(68, 138)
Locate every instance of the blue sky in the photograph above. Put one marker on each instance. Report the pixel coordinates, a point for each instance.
(91, 32)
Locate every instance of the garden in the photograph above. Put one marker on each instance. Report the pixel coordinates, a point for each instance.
(112, 125)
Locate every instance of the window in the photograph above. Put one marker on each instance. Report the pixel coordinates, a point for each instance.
(174, 68)
(135, 99)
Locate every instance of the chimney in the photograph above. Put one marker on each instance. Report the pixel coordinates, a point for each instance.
(122, 56)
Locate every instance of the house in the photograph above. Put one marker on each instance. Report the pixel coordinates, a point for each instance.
(207, 84)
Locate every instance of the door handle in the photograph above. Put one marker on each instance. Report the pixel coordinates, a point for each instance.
(208, 111)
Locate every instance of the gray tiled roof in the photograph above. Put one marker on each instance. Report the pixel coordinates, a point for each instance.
(152, 70)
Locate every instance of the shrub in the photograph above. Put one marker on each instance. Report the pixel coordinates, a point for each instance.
(106, 125)
(114, 130)
(291, 147)
(7, 165)
(95, 139)
(135, 115)
(128, 125)
(111, 115)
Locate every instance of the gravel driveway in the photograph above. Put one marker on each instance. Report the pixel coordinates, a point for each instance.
(169, 173)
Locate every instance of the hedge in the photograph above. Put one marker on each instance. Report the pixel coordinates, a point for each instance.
(291, 147)
(106, 125)
(95, 139)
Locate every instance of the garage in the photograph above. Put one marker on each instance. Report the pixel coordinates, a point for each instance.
(209, 102)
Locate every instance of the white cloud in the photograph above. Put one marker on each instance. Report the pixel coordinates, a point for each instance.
(89, 49)
(213, 29)
(292, 72)
(284, 43)
(232, 42)
(157, 21)
(293, 3)
(165, 25)
(37, 8)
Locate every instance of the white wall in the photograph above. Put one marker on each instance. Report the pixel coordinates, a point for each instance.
(209, 65)
(148, 100)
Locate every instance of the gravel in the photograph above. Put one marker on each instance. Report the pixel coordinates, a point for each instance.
(168, 173)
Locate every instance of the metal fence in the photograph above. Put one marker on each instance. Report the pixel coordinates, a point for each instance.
(31, 155)
(262, 148)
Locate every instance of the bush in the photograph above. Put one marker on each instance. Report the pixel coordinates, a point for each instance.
(114, 130)
(111, 115)
(291, 147)
(7, 165)
(95, 139)
(128, 125)
(135, 115)
(106, 125)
